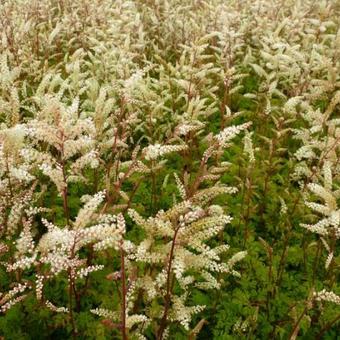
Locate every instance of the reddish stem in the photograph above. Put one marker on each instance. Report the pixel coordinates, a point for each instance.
(169, 285)
(124, 292)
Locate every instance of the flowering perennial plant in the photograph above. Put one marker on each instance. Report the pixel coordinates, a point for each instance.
(169, 169)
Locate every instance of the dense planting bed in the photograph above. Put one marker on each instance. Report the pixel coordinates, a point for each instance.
(169, 169)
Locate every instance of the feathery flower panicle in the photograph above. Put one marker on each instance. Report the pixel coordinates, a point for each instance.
(86, 214)
(153, 152)
(231, 132)
(327, 296)
(56, 309)
(248, 147)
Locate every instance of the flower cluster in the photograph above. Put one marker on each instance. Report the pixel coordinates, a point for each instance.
(152, 152)
(325, 295)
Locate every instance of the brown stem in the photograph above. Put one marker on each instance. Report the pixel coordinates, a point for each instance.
(9, 178)
(316, 262)
(70, 292)
(225, 102)
(153, 189)
(282, 261)
(296, 327)
(269, 172)
(65, 206)
(198, 178)
(169, 286)
(248, 209)
(327, 327)
(124, 292)
(65, 190)
(87, 280)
